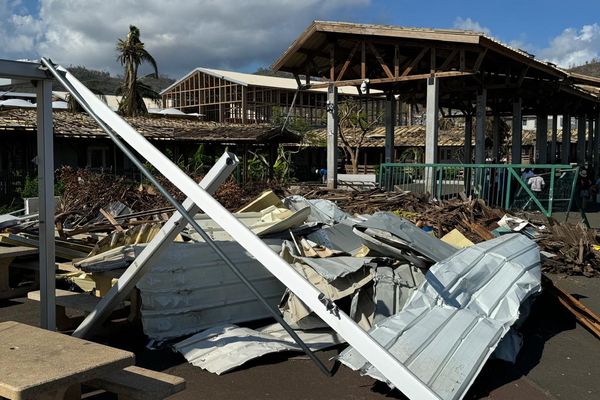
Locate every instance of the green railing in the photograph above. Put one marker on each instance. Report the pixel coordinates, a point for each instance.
(507, 186)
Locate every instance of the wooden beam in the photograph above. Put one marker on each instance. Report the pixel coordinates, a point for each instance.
(363, 61)
(355, 82)
(347, 63)
(380, 60)
(396, 61)
(414, 62)
(332, 63)
(449, 59)
(433, 60)
(522, 76)
(462, 62)
(479, 60)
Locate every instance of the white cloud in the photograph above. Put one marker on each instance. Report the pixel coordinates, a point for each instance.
(470, 25)
(573, 46)
(19, 31)
(180, 35)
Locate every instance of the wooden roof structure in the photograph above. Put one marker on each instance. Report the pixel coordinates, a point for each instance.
(166, 128)
(399, 60)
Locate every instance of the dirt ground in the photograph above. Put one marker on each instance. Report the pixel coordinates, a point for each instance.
(559, 360)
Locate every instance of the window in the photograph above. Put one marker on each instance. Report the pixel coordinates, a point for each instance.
(97, 157)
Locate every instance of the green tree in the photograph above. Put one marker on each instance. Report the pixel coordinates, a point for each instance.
(131, 55)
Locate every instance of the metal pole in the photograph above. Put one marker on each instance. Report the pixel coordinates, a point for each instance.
(397, 373)
(332, 136)
(45, 164)
(161, 242)
(188, 218)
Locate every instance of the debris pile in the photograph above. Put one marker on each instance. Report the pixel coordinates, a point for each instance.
(570, 249)
(421, 277)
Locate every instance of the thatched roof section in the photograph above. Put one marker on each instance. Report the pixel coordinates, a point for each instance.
(81, 125)
(414, 136)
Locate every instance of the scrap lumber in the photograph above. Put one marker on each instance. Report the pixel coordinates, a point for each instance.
(586, 317)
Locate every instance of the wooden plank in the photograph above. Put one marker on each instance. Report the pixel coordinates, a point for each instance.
(140, 384)
(112, 220)
(414, 62)
(357, 82)
(363, 61)
(28, 372)
(449, 59)
(332, 63)
(480, 58)
(347, 63)
(381, 62)
(17, 251)
(77, 301)
(61, 251)
(396, 61)
(580, 312)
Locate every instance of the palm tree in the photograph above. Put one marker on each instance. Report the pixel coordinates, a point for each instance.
(131, 55)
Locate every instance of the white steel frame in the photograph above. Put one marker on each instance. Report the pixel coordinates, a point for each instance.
(379, 357)
(30, 71)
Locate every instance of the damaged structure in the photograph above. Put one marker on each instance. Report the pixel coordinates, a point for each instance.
(420, 313)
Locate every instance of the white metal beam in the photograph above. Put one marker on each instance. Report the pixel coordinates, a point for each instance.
(400, 376)
(45, 164)
(431, 131)
(22, 70)
(161, 242)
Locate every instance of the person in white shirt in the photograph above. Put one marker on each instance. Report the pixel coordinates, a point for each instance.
(536, 183)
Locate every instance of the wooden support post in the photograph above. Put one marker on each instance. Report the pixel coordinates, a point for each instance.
(580, 140)
(480, 127)
(332, 136)
(244, 105)
(496, 137)
(468, 147)
(541, 139)
(517, 132)
(554, 139)
(565, 141)
(390, 120)
(363, 61)
(431, 130)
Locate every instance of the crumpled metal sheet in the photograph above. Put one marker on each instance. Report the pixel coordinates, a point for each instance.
(222, 348)
(457, 317)
(295, 312)
(321, 210)
(269, 221)
(391, 235)
(333, 268)
(338, 237)
(189, 289)
(393, 287)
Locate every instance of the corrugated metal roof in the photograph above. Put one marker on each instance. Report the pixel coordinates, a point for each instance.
(458, 316)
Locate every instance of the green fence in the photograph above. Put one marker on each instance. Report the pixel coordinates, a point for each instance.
(547, 188)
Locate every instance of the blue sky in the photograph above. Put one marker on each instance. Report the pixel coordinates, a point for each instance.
(243, 35)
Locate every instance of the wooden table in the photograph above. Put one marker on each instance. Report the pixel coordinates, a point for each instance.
(40, 364)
